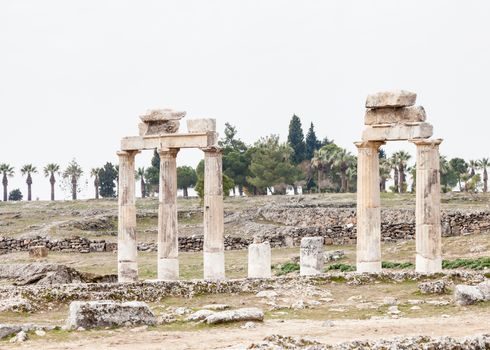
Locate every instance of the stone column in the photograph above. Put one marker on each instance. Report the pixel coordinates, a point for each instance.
(259, 259)
(428, 207)
(214, 256)
(311, 259)
(368, 207)
(126, 242)
(168, 237)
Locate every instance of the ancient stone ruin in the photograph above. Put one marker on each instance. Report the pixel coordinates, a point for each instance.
(160, 130)
(392, 116)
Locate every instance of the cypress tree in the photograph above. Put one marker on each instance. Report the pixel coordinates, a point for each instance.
(296, 140)
(312, 143)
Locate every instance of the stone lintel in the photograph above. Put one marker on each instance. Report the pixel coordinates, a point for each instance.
(395, 98)
(196, 140)
(392, 115)
(398, 132)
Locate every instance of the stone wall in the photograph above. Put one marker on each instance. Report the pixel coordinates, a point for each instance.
(284, 226)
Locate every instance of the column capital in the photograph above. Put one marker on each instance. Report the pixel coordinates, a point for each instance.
(212, 150)
(369, 144)
(427, 142)
(127, 153)
(172, 152)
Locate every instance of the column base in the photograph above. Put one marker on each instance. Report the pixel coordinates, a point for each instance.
(168, 269)
(214, 265)
(127, 271)
(259, 260)
(368, 266)
(425, 265)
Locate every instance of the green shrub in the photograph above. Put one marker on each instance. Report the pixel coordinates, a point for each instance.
(473, 264)
(287, 268)
(342, 267)
(396, 265)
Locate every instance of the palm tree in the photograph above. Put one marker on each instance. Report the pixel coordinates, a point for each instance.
(95, 174)
(28, 169)
(317, 163)
(444, 169)
(7, 171)
(50, 170)
(483, 164)
(393, 161)
(140, 175)
(351, 174)
(73, 172)
(403, 158)
(473, 164)
(341, 159)
(413, 173)
(384, 173)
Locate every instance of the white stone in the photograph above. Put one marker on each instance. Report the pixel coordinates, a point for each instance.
(245, 314)
(396, 132)
(216, 307)
(394, 98)
(7, 329)
(199, 315)
(249, 325)
(92, 314)
(214, 265)
(19, 337)
(40, 333)
(266, 294)
(466, 295)
(201, 125)
(484, 287)
(259, 260)
(311, 256)
(395, 115)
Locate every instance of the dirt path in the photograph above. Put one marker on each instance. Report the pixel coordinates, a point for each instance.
(237, 338)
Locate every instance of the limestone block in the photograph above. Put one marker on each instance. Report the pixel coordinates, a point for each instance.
(394, 115)
(201, 125)
(38, 252)
(467, 295)
(92, 314)
(245, 314)
(395, 98)
(160, 121)
(259, 260)
(311, 256)
(397, 132)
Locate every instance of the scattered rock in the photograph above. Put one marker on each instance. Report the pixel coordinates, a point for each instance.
(15, 305)
(37, 252)
(6, 330)
(182, 311)
(216, 307)
(433, 287)
(246, 314)
(467, 295)
(334, 255)
(166, 319)
(390, 301)
(19, 337)
(40, 333)
(199, 315)
(393, 310)
(298, 305)
(93, 314)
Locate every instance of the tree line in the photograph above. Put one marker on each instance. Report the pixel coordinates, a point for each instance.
(267, 166)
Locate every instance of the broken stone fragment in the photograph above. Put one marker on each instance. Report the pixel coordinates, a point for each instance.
(395, 98)
(104, 313)
(201, 125)
(160, 121)
(38, 252)
(246, 314)
(390, 115)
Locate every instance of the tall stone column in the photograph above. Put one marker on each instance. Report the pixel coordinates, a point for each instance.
(126, 242)
(428, 207)
(168, 237)
(214, 256)
(368, 207)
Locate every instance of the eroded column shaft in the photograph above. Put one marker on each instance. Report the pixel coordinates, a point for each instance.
(214, 258)
(368, 207)
(168, 243)
(126, 241)
(428, 207)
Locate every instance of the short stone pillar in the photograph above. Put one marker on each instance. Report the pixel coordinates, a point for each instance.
(311, 256)
(368, 207)
(214, 247)
(428, 207)
(259, 259)
(126, 241)
(38, 251)
(168, 242)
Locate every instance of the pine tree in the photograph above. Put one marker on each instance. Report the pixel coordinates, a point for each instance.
(296, 140)
(312, 143)
(107, 180)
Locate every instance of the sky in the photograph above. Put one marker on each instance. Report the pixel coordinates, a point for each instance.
(75, 75)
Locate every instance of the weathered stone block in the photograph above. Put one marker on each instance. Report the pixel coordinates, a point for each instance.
(201, 125)
(375, 116)
(259, 260)
(97, 247)
(397, 132)
(245, 314)
(92, 314)
(395, 98)
(311, 256)
(38, 252)
(160, 121)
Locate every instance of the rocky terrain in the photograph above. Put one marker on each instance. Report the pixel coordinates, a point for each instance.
(68, 299)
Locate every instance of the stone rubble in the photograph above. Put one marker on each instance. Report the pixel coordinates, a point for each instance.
(467, 295)
(433, 287)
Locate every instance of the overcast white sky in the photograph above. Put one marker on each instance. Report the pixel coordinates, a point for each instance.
(75, 75)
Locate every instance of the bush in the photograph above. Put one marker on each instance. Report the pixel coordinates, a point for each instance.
(15, 195)
(474, 264)
(288, 268)
(341, 267)
(396, 265)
